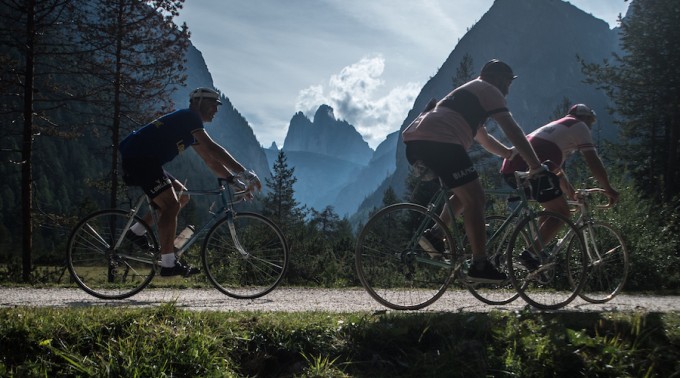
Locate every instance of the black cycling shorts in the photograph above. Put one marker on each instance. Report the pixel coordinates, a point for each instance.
(450, 162)
(148, 174)
(544, 188)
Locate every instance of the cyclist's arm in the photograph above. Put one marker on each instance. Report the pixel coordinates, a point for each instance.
(517, 138)
(215, 156)
(565, 185)
(491, 144)
(600, 173)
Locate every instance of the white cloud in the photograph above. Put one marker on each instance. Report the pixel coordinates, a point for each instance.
(355, 94)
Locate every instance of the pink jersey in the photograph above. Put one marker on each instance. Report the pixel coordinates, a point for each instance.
(457, 116)
(555, 141)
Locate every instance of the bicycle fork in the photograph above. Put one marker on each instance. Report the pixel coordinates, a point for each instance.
(234, 236)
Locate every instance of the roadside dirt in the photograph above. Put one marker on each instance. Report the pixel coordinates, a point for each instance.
(288, 299)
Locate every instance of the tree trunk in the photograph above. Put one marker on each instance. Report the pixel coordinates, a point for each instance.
(27, 147)
(672, 173)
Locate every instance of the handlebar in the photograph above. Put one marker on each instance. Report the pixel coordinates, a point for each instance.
(583, 194)
(224, 183)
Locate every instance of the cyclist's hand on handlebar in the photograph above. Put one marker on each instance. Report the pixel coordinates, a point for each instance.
(613, 196)
(252, 181)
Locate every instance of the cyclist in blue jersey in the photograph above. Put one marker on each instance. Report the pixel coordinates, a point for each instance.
(145, 151)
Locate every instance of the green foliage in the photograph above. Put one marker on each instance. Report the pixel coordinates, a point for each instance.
(167, 341)
(644, 84)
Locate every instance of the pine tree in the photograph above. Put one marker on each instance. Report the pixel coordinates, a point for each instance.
(280, 203)
(31, 40)
(136, 58)
(644, 83)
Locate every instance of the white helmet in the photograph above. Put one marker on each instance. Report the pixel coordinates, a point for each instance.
(581, 110)
(201, 93)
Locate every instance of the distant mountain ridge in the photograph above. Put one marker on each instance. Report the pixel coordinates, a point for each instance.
(328, 136)
(326, 153)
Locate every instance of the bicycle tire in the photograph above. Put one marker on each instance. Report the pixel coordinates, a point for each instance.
(496, 249)
(253, 271)
(606, 275)
(559, 279)
(393, 268)
(102, 270)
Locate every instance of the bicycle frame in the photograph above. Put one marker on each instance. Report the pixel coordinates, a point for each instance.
(228, 199)
(585, 219)
(441, 198)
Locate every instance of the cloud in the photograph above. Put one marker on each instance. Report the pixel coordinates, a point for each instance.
(356, 95)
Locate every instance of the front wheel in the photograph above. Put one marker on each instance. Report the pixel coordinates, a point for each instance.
(393, 268)
(106, 264)
(607, 262)
(245, 256)
(559, 278)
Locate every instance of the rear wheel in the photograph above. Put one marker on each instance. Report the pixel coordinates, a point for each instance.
(393, 268)
(106, 264)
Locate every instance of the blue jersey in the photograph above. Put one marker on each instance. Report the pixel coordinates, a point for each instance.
(164, 138)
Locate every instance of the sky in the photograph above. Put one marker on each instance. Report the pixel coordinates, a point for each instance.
(368, 59)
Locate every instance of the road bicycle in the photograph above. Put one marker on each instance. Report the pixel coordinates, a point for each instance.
(606, 251)
(401, 275)
(244, 254)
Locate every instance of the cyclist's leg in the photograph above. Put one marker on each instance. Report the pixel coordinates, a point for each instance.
(547, 191)
(450, 162)
(183, 199)
(167, 206)
(550, 227)
(471, 198)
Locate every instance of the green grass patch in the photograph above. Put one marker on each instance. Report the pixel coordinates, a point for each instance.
(167, 341)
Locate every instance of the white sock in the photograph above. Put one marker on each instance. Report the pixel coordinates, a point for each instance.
(138, 229)
(167, 260)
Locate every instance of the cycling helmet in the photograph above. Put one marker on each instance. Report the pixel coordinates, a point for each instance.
(496, 67)
(201, 93)
(581, 110)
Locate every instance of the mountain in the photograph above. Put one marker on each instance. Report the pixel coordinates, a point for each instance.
(328, 136)
(363, 183)
(541, 40)
(326, 154)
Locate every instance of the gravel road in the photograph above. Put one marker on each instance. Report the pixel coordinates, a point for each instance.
(290, 299)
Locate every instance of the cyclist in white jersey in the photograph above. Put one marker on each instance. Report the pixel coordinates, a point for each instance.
(555, 142)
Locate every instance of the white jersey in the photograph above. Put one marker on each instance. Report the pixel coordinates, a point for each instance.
(555, 141)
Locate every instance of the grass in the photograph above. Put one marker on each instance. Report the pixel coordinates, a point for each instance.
(167, 341)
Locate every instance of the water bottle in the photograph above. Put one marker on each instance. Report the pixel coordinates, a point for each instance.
(184, 236)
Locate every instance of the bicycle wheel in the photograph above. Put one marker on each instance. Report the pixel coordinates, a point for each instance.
(559, 278)
(607, 258)
(393, 268)
(102, 269)
(248, 260)
(500, 293)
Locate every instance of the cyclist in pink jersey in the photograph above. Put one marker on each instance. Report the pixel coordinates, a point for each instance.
(555, 142)
(440, 138)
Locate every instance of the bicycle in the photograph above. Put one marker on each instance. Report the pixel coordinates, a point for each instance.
(244, 254)
(608, 261)
(400, 275)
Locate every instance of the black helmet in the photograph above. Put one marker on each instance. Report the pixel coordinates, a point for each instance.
(496, 67)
